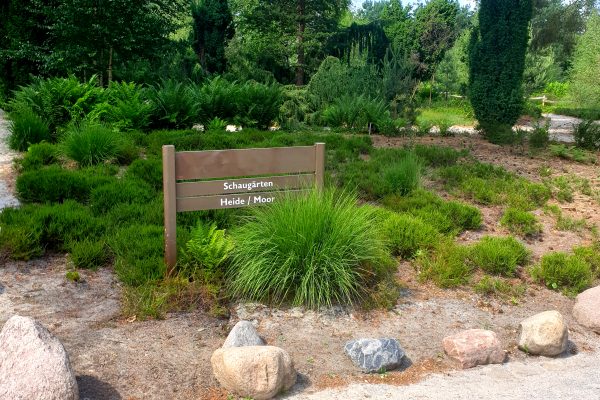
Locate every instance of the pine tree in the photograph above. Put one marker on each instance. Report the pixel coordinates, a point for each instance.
(497, 61)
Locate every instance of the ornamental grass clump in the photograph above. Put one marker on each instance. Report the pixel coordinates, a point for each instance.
(313, 250)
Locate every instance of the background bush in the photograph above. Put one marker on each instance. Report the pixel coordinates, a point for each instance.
(26, 128)
(91, 144)
(38, 156)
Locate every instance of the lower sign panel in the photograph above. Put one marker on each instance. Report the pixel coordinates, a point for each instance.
(232, 201)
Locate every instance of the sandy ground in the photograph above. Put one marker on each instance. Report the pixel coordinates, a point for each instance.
(118, 358)
(6, 174)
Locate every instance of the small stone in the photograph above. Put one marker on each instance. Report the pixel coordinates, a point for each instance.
(258, 372)
(474, 347)
(34, 363)
(243, 334)
(544, 334)
(587, 309)
(375, 355)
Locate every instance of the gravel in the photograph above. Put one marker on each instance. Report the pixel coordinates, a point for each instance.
(6, 157)
(574, 377)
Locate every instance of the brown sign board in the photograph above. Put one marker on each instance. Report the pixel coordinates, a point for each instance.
(215, 179)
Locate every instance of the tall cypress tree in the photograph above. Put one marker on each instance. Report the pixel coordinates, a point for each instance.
(497, 60)
(213, 28)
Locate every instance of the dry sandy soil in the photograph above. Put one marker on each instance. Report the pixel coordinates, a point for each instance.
(119, 358)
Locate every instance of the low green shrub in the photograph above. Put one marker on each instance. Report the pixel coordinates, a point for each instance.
(139, 254)
(521, 223)
(591, 255)
(572, 153)
(490, 184)
(149, 171)
(583, 113)
(498, 255)
(20, 233)
(502, 288)
(148, 213)
(89, 254)
(38, 156)
(407, 235)
(563, 271)
(105, 197)
(439, 156)
(26, 128)
(311, 250)
(587, 135)
(448, 217)
(500, 134)
(91, 144)
(445, 265)
(258, 105)
(54, 184)
(539, 137)
(404, 177)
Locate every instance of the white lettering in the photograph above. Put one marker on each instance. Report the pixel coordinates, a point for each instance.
(247, 185)
(238, 201)
(262, 200)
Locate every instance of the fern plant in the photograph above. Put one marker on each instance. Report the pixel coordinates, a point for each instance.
(205, 252)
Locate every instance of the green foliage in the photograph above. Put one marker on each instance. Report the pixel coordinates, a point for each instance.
(585, 81)
(89, 254)
(91, 144)
(73, 276)
(563, 271)
(355, 113)
(312, 250)
(26, 128)
(212, 29)
(497, 61)
(539, 137)
(403, 177)
(57, 100)
(38, 156)
(489, 184)
(446, 265)
(175, 105)
(572, 153)
(587, 135)
(126, 106)
(104, 198)
(584, 113)
(138, 253)
(55, 185)
(206, 251)
(502, 288)
(258, 104)
(29, 231)
(498, 255)
(407, 235)
(439, 156)
(521, 222)
(591, 255)
(448, 217)
(148, 170)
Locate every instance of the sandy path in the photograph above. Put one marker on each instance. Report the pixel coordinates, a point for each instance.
(6, 156)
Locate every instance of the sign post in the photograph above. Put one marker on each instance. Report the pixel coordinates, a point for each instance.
(208, 180)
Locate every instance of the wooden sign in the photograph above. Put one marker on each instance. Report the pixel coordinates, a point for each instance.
(207, 180)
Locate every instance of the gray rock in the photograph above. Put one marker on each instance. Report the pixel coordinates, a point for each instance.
(33, 363)
(243, 334)
(587, 309)
(258, 372)
(375, 355)
(544, 334)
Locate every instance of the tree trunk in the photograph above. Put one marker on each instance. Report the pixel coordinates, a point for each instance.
(110, 65)
(300, 11)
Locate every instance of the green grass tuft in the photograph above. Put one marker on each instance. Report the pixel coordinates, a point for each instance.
(562, 271)
(521, 223)
(313, 250)
(499, 255)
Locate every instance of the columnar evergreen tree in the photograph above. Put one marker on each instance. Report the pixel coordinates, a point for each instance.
(212, 29)
(497, 60)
